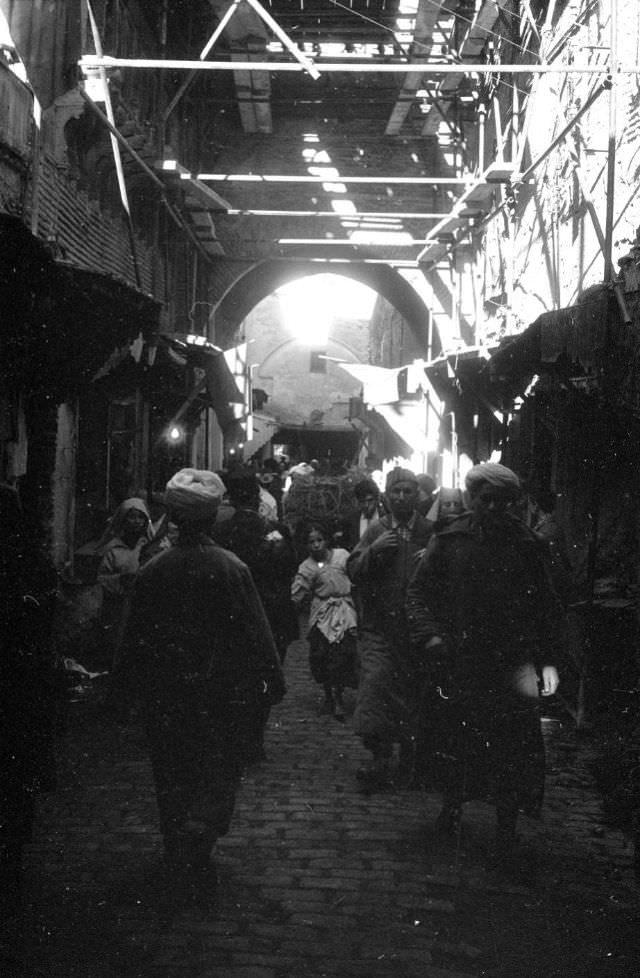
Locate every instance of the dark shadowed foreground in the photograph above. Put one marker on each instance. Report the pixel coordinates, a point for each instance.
(316, 878)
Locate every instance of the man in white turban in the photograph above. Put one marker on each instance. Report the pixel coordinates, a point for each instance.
(193, 495)
(199, 653)
(485, 624)
(496, 475)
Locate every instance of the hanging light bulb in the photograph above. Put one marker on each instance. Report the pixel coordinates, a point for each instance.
(175, 433)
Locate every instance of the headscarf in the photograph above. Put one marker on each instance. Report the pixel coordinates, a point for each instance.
(116, 523)
(453, 497)
(495, 475)
(400, 475)
(193, 495)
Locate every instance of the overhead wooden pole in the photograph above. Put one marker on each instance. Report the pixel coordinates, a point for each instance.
(323, 178)
(355, 216)
(173, 213)
(599, 89)
(186, 84)
(355, 68)
(304, 62)
(115, 148)
(611, 160)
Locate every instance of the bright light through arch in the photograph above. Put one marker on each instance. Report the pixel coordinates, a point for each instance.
(311, 305)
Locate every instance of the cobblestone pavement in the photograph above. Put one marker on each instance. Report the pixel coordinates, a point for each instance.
(316, 879)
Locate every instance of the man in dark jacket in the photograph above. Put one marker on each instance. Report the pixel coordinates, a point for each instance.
(381, 566)
(197, 649)
(483, 619)
(267, 549)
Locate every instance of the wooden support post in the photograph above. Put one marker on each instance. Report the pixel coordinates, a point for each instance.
(515, 121)
(482, 124)
(611, 161)
(497, 121)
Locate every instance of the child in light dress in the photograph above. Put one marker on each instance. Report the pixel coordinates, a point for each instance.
(322, 582)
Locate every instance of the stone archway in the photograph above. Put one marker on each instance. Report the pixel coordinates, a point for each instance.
(255, 284)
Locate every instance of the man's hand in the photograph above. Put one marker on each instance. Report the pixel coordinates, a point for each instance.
(434, 642)
(550, 680)
(385, 542)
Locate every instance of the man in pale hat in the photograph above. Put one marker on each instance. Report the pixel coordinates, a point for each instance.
(381, 566)
(197, 648)
(485, 622)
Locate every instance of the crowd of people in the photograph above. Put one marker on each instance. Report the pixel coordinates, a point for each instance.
(435, 607)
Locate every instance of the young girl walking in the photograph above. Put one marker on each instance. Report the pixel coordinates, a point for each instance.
(322, 581)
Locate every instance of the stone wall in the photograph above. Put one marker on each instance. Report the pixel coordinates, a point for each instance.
(284, 370)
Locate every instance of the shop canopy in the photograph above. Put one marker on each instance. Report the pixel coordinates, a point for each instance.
(60, 322)
(222, 374)
(580, 339)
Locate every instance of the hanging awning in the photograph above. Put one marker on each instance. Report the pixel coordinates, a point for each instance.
(226, 399)
(394, 443)
(380, 384)
(579, 338)
(98, 313)
(406, 423)
(61, 323)
(217, 380)
(460, 374)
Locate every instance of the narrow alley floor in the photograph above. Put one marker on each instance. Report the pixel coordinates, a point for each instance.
(316, 879)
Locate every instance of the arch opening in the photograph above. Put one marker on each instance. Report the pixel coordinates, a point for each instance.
(301, 338)
(253, 285)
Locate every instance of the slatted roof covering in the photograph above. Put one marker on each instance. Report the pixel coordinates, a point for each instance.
(334, 146)
(346, 128)
(348, 22)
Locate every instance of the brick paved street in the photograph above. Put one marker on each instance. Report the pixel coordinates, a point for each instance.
(316, 878)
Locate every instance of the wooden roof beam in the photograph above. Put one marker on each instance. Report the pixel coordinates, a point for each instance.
(91, 61)
(296, 178)
(426, 19)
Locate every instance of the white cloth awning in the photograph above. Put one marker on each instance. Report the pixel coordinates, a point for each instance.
(408, 421)
(380, 384)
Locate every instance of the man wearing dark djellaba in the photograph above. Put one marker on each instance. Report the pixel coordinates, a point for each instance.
(484, 623)
(198, 653)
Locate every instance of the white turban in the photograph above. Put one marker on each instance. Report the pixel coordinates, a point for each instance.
(493, 473)
(302, 468)
(193, 495)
